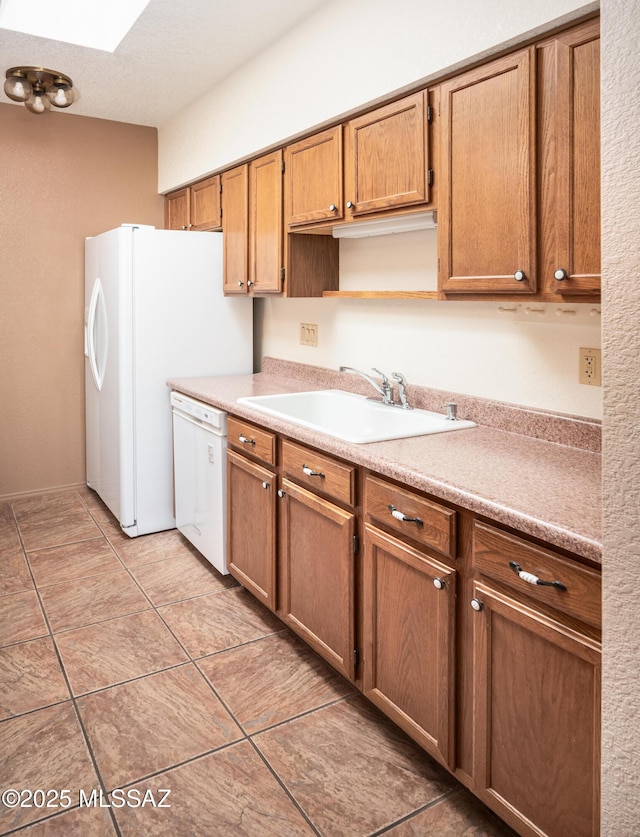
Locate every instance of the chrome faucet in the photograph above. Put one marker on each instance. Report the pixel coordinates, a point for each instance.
(402, 390)
(384, 388)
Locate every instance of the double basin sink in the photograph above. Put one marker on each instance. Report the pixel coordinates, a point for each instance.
(350, 417)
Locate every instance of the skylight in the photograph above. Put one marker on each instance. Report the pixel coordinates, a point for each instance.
(89, 24)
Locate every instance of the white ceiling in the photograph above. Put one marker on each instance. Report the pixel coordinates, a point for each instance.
(174, 52)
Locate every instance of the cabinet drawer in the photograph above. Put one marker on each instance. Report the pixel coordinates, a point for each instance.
(319, 472)
(426, 522)
(495, 552)
(253, 440)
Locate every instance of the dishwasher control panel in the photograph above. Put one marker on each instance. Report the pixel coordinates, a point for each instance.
(199, 411)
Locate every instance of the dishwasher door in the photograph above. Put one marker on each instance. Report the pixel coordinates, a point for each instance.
(199, 462)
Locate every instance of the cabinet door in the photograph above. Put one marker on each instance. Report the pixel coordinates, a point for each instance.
(265, 228)
(313, 177)
(409, 640)
(537, 715)
(251, 527)
(205, 204)
(235, 230)
(317, 562)
(176, 210)
(386, 157)
(570, 161)
(487, 189)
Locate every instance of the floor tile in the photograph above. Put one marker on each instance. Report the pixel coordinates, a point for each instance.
(181, 577)
(84, 601)
(231, 792)
(150, 724)
(272, 680)
(21, 618)
(458, 814)
(47, 505)
(14, 572)
(350, 769)
(111, 652)
(78, 822)
(150, 548)
(9, 539)
(30, 677)
(218, 621)
(76, 560)
(40, 532)
(44, 749)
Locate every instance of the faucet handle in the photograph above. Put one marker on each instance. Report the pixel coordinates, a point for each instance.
(385, 380)
(400, 378)
(402, 389)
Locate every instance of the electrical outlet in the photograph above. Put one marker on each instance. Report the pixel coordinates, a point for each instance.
(590, 367)
(308, 334)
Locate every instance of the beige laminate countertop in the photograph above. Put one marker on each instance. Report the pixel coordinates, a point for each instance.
(544, 489)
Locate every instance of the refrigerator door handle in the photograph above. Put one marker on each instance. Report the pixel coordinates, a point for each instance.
(97, 333)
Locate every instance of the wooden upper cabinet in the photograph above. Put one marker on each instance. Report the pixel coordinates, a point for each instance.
(196, 207)
(569, 74)
(386, 157)
(205, 204)
(487, 188)
(176, 210)
(266, 256)
(313, 178)
(235, 228)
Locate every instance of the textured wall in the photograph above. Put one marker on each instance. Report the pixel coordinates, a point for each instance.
(621, 473)
(63, 177)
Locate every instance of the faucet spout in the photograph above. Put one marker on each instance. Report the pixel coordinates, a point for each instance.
(384, 389)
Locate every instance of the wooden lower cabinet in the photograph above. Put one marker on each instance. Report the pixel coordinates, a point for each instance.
(318, 574)
(537, 716)
(251, 529)
(409, 640)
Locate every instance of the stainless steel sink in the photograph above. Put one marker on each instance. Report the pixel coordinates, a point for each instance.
(350, 417)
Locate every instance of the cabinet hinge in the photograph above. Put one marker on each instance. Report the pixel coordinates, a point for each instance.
(430, 177)
(356, 657)
(282, 167)
(429, 114)
(282, 274)
(356, 544)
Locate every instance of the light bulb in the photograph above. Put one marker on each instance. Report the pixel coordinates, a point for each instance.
(38, 103)
(17, 87)
(60, 93)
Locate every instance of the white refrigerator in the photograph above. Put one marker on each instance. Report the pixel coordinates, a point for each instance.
(154, 310)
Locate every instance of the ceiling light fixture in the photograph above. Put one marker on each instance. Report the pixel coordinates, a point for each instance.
(38, 88)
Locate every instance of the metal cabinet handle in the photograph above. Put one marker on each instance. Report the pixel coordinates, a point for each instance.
(438, 583)
(333, 207)
(477, 605)
(184, 227)
(249, 283)
(530, 578)
(401, 516)
(519, 276)
(560, 275)
(265, 484)
(351, 205)
(246, 441)
(311, 473)
(240, 283)
(281, 493)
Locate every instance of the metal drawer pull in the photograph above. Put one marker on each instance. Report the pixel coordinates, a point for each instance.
(477, 605)
(311, 473)
(281, 493)
(246, 441)
(265, 484)
(438, 583)
(530, 578)
(400, 516)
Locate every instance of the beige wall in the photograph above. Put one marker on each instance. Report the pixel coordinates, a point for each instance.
(62, 177)
(621, 433)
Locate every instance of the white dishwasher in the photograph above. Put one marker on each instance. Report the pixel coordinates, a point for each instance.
(199, 465)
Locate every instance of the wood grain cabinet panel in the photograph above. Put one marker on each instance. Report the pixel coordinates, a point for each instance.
(177, 210)
(196, 207)
(266, 255)
(569, 73)
(251, 527)
(409, 640)
(313, 177)
(487, 191)
(318, 574)
(537, 716)
(235, 229)
(252, 440)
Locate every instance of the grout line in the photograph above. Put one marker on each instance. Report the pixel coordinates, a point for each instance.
(408, 817)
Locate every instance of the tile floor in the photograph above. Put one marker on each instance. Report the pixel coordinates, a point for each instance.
(131, 664)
